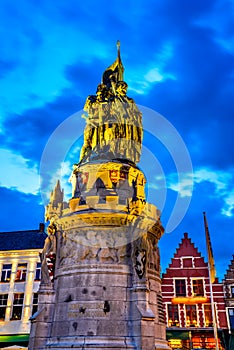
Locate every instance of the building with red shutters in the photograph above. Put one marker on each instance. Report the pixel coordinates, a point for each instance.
(187, 300)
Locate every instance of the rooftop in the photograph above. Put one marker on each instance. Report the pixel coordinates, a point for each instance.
(23, 240)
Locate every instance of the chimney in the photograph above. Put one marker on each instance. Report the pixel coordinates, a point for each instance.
(41, 227)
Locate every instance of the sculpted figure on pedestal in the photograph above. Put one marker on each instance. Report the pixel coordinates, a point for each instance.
(113, 124)
(48, 256)
(153, 255)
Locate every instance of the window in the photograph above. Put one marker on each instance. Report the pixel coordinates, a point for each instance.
(180, 287)
(3, 305)
(161, 313)
(38, 272)
(198, 289)
(173, 315)
(21, 273)
(17, 306)
(187, 262)
(6, 273)
(35, 303)
(208, 315)
(231, 318)
(232, 291)
(191, 316)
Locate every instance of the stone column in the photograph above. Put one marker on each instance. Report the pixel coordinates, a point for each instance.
(41, 322)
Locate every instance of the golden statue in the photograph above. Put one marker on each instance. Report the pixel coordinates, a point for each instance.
(113, 121)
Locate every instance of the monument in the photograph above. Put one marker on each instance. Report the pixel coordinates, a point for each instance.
(101, 286)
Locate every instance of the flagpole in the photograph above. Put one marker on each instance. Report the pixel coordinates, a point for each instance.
(214, 318)
(211, 270)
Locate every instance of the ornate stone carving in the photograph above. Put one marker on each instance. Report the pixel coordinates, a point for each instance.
(56, 204)
(73, 251)
(140, 262)
(48, 255)
(103, 182)
(153, 255)
(146, 254)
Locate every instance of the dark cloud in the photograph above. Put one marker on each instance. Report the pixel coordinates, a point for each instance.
(198, 102)
(86, 76)
(19, 211)
(18, 31)
(29, 132)
(6, 67)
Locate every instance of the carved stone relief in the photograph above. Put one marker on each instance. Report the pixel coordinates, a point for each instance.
(73, 251)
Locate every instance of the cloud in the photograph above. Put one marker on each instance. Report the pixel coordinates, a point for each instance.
(28, 133)
(153, 71)
(220, 21)
(18, 173)
(223, 187)
(38, 77)
(19, 211)
(183, 187)
(228, 209)
(221, 181)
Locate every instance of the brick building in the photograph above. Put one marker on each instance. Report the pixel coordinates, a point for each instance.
(229, 299)
(187, 300)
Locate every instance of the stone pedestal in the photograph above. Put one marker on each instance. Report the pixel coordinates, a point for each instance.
(105, 295)
(41, 322)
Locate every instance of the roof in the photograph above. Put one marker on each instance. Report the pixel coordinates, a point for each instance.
(186, 251)
(22, 240)
(230, 271)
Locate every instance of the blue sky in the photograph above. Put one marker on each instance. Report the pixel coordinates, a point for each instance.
(179, 65)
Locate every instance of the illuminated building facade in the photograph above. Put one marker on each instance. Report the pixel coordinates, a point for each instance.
(229, 298)
(20, 273)
(187, 300)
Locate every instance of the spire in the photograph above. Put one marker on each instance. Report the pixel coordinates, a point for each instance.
(118, 48)
(114, 72)
(56, 195)
(56, 204)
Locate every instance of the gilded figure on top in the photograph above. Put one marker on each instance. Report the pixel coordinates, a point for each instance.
(114, 127)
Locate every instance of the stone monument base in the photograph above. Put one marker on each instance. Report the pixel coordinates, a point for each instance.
(92, 343)
(102, 343)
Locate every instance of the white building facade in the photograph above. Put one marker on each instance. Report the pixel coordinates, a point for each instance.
(20, 273)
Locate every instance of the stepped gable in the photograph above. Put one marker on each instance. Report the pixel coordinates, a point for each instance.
(230, 271)
(229, 282)
(186, 250)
